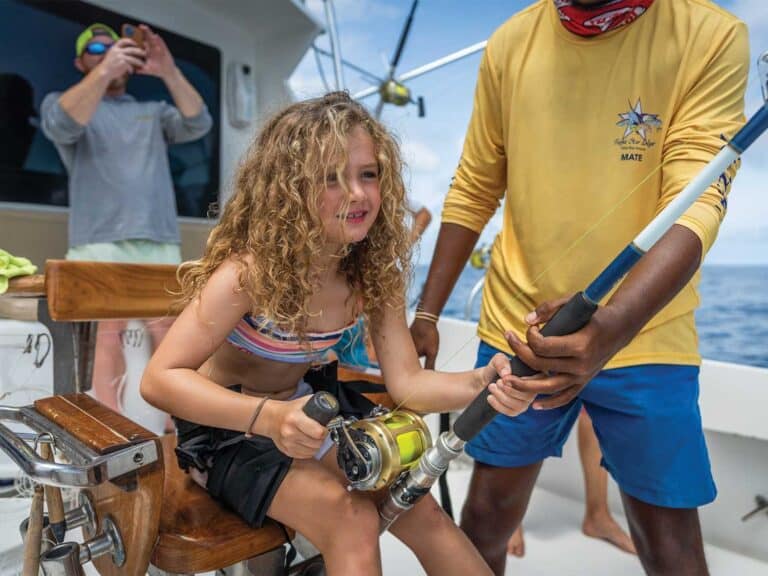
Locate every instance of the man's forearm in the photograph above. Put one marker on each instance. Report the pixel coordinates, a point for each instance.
(184, 95)
(654, 281)
(82, 100)
(454, 245)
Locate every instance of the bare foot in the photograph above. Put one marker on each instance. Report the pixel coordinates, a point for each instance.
(605, 527)
(516, 543)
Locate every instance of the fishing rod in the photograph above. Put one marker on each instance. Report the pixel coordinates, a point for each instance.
(573, 316)
(394, 448)
(390, 90)
(330, 18)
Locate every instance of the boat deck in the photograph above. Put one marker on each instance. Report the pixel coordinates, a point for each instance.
(555, 544)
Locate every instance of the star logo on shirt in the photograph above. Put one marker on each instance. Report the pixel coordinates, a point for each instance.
(638, 122)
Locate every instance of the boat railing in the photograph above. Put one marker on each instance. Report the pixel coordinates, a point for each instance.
(480, 260)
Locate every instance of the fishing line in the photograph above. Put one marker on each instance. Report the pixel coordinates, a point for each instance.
(516, 296)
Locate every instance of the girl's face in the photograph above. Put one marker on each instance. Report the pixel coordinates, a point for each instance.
(361, 176)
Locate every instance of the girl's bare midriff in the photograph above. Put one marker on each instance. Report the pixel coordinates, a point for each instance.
(257, 376)
(260, 376)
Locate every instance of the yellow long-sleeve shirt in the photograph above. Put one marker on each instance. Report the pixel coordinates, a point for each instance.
(590, 138)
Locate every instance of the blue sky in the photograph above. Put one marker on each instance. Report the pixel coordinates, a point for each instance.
(369, 30)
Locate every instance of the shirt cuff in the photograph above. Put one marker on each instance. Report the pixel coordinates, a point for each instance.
(462, 219)
(704, 221)
(64, 121)
(199, 120)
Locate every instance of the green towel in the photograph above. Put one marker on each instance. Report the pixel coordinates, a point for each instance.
(11, 266)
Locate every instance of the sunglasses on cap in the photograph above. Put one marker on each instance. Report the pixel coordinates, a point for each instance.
(97, 48)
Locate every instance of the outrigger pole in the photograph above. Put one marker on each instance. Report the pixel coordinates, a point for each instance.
(338, 69)
(407, 490)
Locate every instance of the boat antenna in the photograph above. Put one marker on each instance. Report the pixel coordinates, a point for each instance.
(391, 88)
(330, 18)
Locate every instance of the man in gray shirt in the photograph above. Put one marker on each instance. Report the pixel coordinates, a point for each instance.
(122, 203)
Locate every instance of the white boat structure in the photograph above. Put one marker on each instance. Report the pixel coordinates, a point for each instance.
(269, 38)
(731, 402)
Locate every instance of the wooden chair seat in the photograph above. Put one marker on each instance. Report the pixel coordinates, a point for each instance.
(196, 533)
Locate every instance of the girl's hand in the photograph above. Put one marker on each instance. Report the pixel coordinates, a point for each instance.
(504, 397)
(294, 433)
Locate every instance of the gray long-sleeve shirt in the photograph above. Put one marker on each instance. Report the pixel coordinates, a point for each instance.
(120, 184)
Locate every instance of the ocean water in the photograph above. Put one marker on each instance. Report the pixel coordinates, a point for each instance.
(732, 320)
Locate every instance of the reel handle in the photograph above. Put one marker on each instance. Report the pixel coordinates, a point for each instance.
(570, 318)
(322, 407)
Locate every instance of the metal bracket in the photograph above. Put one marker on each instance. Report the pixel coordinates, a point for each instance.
(67, 559)
(87, 467)
(762, 73)
(73, 350)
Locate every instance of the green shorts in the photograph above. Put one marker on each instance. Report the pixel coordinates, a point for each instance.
(128, 251)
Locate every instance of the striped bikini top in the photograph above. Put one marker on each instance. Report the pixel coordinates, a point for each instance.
(260, 337)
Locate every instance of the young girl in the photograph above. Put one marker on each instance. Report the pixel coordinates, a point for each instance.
(313, 237)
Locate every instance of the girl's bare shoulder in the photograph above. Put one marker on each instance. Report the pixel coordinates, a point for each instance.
(225, 284)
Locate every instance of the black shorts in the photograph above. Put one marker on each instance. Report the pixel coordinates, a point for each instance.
(245, 473)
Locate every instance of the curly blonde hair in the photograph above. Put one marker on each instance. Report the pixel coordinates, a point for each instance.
(271, 225)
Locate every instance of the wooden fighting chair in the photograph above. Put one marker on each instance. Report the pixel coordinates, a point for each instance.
(131, 483)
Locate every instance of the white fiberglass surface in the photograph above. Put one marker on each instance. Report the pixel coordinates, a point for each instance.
(556, 546)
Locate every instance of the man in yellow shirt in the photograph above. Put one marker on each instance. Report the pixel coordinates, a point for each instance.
(589, 118)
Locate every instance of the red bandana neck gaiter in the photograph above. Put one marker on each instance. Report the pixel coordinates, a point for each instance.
(594, 20)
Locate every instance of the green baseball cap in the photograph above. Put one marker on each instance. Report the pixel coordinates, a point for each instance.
(95, 29)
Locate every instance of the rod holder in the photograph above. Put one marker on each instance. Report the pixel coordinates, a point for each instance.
(47, 541)
(84, 515)
(62, 560)
(67, 559)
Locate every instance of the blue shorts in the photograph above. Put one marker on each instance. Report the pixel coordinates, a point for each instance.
(648, 423)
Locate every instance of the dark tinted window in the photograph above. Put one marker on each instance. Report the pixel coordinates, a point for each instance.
(37, 40)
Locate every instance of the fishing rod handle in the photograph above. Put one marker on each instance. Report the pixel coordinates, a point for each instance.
(322, 407)
(572, 317)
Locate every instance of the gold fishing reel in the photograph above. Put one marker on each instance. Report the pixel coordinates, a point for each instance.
(375, 451)
(393, 92)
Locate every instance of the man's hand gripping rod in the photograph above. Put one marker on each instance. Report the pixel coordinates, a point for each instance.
(407, 490)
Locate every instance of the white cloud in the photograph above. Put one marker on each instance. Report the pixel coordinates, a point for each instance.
(429, 190)
(431, 147)
(755, 14)
(419, 156)
(742, 247)
(356, 10)
(743, 235)
(306, 82)
(357, 42)
(459, 146)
